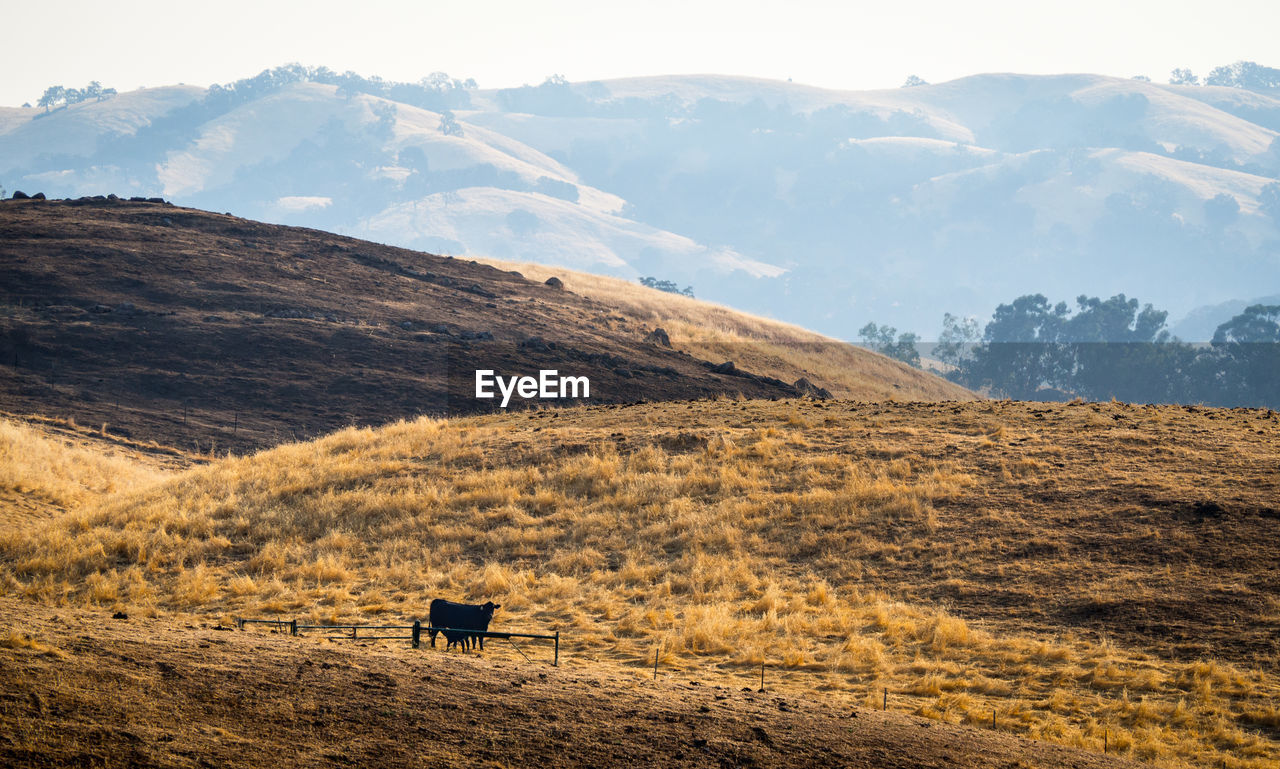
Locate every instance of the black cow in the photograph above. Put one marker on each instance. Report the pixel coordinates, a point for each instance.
(454, 637)
(460, 616)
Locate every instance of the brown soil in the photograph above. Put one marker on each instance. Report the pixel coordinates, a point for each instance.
(97, 691)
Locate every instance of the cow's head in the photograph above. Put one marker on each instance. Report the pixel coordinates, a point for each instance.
(489, 608)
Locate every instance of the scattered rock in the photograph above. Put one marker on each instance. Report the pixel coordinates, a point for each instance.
(725, 368)
(683, 442)
(100, 308)
(1208, 509)
(440, 328)
(659, 337)
(538, 344)
(119, 615)
(125, 307)
(555, 282)
(804, 387)
(481, 336)
(623, 372)
(20, 195)
(38, 196)
(407, 325)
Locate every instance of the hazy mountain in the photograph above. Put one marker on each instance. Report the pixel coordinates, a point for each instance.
(1200, 324)
(826, 208)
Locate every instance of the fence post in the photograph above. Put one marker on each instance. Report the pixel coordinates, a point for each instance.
(557, 662)
(655, 664)
(417, 632)
(293, 627)
(885, 705)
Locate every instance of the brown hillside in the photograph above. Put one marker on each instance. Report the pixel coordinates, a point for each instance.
(208, 332)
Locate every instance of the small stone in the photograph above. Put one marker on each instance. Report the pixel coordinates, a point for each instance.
(659, 337)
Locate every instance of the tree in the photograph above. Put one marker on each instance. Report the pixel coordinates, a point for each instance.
(1245, 74)
(1249, 346)
(882, 340)
(1256, 77)
(1258, 324)
(666, 285)
(1221, 76)
(912, 81)
(51, 96)
(956, 340)
(449, 125)
(1142, 78)
(1183, 76)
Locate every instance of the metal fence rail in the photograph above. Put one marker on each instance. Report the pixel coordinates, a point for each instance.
(414, 636)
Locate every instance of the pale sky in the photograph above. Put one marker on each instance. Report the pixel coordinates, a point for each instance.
(130, 43)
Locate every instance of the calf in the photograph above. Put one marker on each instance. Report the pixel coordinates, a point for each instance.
(460, 616)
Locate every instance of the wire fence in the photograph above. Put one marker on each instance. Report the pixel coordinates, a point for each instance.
(411, 633)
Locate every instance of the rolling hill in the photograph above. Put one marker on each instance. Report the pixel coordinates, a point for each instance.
(1074, 572)
(824, 208)
(209, 332)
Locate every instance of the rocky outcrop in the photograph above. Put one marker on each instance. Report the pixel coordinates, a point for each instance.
(659, 337)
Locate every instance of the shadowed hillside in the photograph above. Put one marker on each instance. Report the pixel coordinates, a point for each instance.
(208, 332)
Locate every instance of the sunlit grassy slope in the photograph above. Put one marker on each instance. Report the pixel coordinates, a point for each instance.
(760, 345)
(968, 557)
(45, 469)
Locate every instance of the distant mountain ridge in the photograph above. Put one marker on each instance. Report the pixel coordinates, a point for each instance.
(824, 208)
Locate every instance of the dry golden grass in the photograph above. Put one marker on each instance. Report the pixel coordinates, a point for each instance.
(955, 554)
(42, 472)
(760, 345)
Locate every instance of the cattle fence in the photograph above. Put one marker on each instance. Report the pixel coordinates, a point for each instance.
(413, 634)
